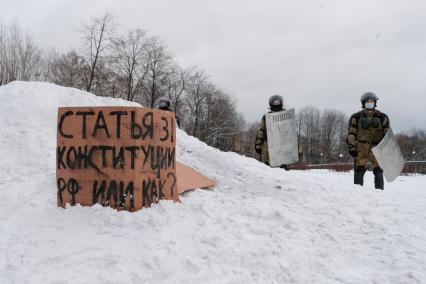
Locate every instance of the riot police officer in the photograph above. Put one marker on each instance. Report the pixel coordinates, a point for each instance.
(366, 128)
(164, 104)
(261, 143)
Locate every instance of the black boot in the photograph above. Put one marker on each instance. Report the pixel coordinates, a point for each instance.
(284, 166)
(378, 178)
(359, 175)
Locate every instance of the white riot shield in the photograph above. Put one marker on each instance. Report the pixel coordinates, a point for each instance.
(282, 137)
(389, 156)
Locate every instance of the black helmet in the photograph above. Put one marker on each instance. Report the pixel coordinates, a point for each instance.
(276, 103)
(164, 103)
(369, 96)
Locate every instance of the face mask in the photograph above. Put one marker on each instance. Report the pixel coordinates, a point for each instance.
(276, 107)
(369, 105)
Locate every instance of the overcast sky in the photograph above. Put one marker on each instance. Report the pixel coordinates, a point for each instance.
(321, 53)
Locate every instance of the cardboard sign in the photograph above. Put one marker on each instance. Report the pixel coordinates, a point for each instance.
(122, 157)
(282, 137)
(188, 179)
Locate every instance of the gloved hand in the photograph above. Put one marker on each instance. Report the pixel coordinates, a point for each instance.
(353, 153)
(259, 151)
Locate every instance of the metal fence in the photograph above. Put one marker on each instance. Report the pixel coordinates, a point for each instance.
(418, 167)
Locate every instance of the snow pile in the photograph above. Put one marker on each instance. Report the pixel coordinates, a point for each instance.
(258, 225)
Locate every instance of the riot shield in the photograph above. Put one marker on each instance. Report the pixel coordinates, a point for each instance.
(282, 137)
(389, 156)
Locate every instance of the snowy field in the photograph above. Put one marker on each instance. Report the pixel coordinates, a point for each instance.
(258, 225)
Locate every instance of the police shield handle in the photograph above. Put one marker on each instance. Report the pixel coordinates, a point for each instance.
(282, 137)
(389, 156)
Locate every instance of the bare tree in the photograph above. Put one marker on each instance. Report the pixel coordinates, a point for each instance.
(198, 89)
(30, 59)
(97, 39)
(11, 42)
(175, 84)
(158, 68)
(342, 130)
(129, 61)
(413, 144)
(329, 122)
(309, 133)
(20, 58)
(68, 70)
(3, 77)
(220, 118)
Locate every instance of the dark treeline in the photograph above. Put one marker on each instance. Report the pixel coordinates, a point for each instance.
(20, 58)
(138, 67)
(413, 144)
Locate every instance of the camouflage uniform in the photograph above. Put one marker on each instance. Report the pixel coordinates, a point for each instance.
(366, 130)
(262, 141)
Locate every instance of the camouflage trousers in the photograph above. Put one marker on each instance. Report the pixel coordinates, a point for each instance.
(265, 153)
(365, 155)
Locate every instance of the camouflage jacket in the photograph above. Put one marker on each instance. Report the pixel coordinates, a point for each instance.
(367, 127)
(261, 135)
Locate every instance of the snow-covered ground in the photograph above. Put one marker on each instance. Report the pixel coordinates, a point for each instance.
(258, 225)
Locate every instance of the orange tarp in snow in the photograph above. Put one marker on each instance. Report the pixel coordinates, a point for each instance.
(188, 178)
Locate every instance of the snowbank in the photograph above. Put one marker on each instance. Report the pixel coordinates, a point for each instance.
(258, 225)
